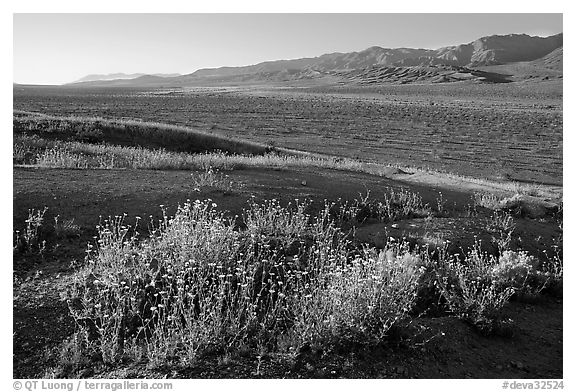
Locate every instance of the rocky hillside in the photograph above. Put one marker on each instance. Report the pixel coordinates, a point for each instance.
(492, 50)
(500, 49)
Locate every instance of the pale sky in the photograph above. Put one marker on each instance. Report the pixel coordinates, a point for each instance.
(60, 48)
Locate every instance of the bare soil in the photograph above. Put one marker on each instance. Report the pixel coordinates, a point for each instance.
(511, 132)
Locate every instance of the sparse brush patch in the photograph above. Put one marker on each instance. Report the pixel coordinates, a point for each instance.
(269, 219)
(526, 274)
(502, 226)
(552, 266)
(29, 240)
(441, 205)
(487, 200)
(22, 154)
(61, 158)
(473, 293)
(358, 300)
(477, 288)
(26, 148)
(535, 190)
(76, 352)
(66, 228)
(393, 206)
(215, 180)
(402, 204)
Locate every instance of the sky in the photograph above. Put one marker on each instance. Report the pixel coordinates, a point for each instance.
(61, 48)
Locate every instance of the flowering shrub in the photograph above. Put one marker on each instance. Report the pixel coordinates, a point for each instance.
(198, 285)
(358, 300)
(479, 287)
(29, 239)
(514, 268)
(471, 292)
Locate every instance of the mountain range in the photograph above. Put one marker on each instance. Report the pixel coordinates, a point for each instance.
(123, 76)
(375, 64)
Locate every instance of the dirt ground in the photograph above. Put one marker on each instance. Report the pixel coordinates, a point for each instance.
(433, 347)
(511, 132)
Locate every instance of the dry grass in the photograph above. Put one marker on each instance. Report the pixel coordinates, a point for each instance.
(134, 144)
(129, 132)
(29, 240)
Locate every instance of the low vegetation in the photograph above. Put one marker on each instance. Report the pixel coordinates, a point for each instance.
(129, 133)
(281, 279)
(61, 142)
(35, 150)
(29, 240)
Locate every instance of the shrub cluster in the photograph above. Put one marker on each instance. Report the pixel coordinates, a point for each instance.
(199, 285)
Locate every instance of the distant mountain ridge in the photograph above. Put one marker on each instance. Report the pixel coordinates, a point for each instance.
(491, 50)
(372, 63)
(120, 76)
